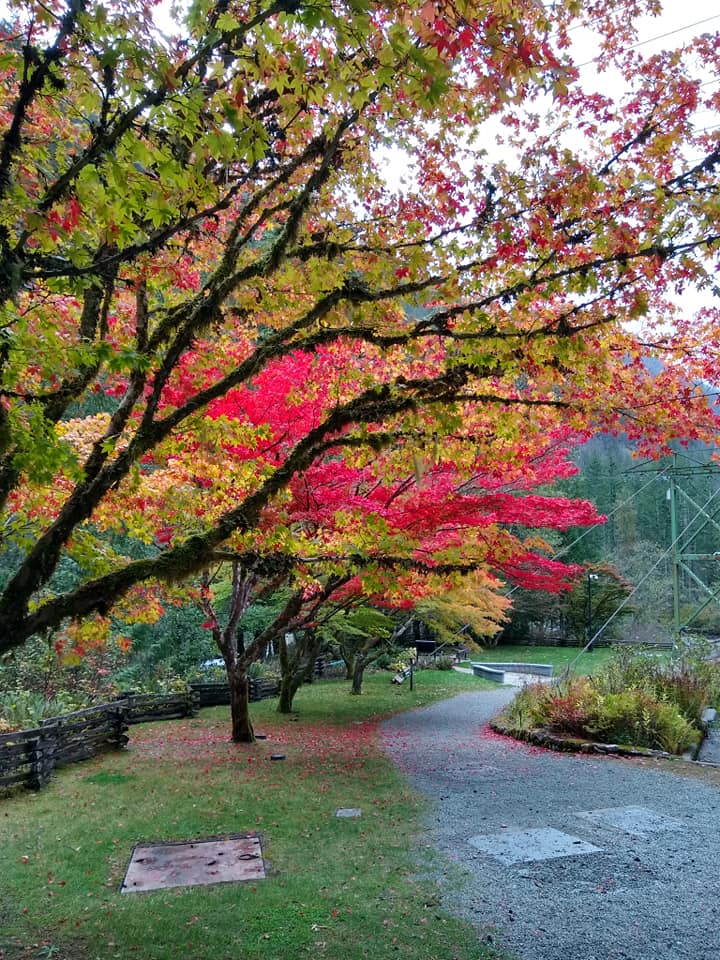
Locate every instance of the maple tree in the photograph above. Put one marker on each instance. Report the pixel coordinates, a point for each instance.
(359, 635)
(359, 524)
(472, 611)
(180, 215)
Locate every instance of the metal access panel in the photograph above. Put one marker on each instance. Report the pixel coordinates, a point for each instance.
(191, 863)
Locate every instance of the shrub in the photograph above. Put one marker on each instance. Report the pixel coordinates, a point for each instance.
(531, 706)
(156, 684)
(36, 669)
(689, 682)
(565, 705)
(23, 709)
(689, 692)
(384, 661)
(569, 714)
(673, 732)
(443, 663)
(634, 716)
(402, 661)
(257, 671)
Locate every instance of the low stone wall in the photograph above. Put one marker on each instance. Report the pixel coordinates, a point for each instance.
(497, 671)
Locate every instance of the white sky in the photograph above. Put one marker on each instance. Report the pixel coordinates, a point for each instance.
(680, 21)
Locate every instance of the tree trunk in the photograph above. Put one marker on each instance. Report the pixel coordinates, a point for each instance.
(289, 686)
(349, 661)
(357, 677)
(242, 728)
(290, 678)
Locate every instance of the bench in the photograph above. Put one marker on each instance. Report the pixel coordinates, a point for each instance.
(402, 676)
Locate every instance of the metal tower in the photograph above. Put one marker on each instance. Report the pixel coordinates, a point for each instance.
(682, 537)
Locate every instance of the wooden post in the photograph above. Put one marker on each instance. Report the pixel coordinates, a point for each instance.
(119, 710)
(44, 751)
(35, 780)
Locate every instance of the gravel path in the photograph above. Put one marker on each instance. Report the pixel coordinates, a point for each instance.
(651, 891)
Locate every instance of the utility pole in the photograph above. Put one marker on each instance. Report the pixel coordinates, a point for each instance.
(672, 497)
(588, 621)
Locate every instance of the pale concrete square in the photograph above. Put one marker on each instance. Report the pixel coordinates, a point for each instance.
(638, 821)
(523, 846)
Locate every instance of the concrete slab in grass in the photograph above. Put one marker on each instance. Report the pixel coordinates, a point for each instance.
(348, 812)
(525, 846)
(637, 821)
(194, 863)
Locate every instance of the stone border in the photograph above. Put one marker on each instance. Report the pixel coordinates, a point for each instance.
(486, 672)
(543, 738)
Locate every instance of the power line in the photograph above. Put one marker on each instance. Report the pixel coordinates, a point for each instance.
(670, 33)
(600, 523)
(688, 26)
(660, 36)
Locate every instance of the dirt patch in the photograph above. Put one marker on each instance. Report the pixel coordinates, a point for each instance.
(705, 773)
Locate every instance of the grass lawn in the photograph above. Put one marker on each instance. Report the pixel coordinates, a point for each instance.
(341, 889)
(559, 657)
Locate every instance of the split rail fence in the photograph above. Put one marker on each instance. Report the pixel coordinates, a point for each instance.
(28, 757)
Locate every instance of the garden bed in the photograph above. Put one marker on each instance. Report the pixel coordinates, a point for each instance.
(636, 705)
(552, 741)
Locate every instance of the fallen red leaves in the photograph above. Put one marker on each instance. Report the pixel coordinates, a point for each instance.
(316, 745)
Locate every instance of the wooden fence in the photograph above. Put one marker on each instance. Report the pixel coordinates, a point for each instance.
(211, 693)
(262, 689)
(143, 707)
(330, 669)
(28, 757)
(217, 693)
(21, 759)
